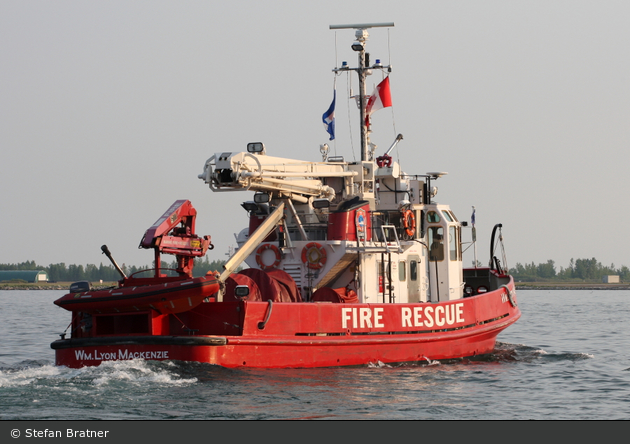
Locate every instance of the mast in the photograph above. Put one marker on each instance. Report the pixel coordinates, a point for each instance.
(363, 70)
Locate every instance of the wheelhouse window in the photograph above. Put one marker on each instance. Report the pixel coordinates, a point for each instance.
(413, 270)
(433, 217)
(402, 271)
(453, 242)
(436, 244)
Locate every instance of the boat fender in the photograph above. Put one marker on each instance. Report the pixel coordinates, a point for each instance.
(314, 255)
(260, 252)
(384, 161)
(409, 222)
(510, 295)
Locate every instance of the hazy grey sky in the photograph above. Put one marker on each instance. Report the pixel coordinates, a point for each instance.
(109, 110)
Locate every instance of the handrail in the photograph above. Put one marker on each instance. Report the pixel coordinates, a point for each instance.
(492, 257)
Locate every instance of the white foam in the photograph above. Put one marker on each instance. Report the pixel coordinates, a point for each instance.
(28, 375)
(136, 371)
(430, 362)
(586, 355)
(378, 364)
(133, 371)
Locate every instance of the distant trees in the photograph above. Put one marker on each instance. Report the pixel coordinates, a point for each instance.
(71, 273)
(580, 269)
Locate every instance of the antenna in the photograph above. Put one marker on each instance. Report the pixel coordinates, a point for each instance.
(362, 70)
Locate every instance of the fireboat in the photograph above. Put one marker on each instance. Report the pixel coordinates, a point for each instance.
(342, 264)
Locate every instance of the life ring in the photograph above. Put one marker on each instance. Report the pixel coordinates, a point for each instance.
(314, 255)
(260, 252)
(409, 222)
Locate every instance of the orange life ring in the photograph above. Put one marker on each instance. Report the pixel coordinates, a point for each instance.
(314, 255)
(409, 222)
(260, 252)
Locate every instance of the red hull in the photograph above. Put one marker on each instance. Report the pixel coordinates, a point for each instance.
(302, 335)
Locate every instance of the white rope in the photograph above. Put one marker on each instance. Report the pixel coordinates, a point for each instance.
(389, 58)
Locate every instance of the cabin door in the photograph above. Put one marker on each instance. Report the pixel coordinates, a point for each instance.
(413, 283)
(438, 265)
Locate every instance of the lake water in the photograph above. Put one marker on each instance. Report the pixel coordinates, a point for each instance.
(567, 358)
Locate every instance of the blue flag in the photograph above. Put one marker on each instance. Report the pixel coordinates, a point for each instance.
(472, 218)
(329, 118)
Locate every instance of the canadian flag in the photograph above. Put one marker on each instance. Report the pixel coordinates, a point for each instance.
(380, 98)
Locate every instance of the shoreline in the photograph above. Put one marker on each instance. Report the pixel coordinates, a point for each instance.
(573, 287)
(56, 286)
(519, 286)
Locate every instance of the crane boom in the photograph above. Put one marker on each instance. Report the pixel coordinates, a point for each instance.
(174, 233)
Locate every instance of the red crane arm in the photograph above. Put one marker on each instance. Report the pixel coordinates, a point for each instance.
(174, 233)
(182, 212)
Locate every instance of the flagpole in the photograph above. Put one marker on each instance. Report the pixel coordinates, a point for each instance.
(474, 236)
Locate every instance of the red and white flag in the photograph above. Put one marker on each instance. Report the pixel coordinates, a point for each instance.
(380, 98)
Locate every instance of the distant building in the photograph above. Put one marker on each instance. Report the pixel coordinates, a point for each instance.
(31, 276)
(610, 279)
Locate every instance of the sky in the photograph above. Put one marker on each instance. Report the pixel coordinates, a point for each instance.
(109, 110)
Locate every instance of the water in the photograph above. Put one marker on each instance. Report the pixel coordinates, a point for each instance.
(568, 357)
